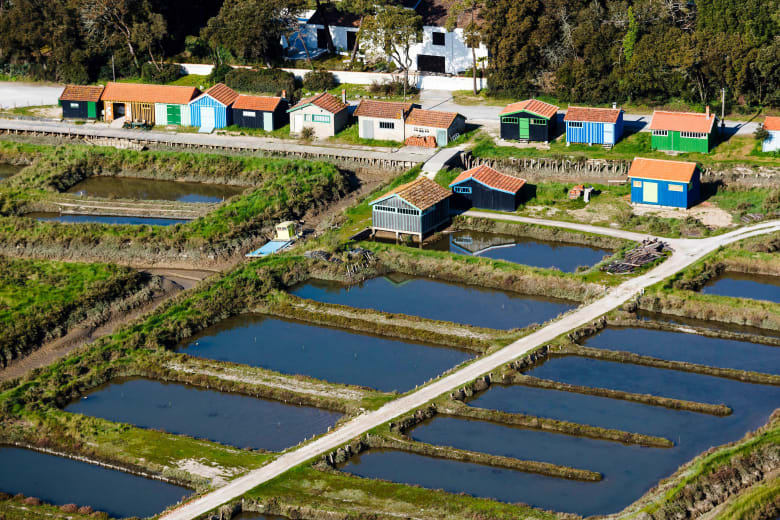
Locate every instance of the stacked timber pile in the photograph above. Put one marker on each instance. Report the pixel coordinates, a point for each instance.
(648, 251)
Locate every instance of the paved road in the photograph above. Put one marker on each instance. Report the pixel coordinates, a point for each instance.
(687, 252)
(14, 94)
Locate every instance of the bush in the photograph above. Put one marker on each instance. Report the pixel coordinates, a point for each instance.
(167, 73)
(219, 72)
(761, 133)
(319, 81)
(197, 47)
(307, 133)
(391, 88)
(263, 81)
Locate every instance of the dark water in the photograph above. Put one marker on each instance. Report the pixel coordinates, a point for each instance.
(149, 189)
(231, 419)
(628, 471)
(537, 253)
(679, 346)
(105, 219)
(325, 353)
(707, 324)
(6, 170)
(438, 300)
(738, 285)
(59, 480)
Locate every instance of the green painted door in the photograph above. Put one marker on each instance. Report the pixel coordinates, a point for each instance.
(675, 141)
(525, 128)
(268, 121)
(174, 114)
(441, 137)
(92, 110)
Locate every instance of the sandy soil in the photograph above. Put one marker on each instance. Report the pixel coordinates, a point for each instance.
(708, 214)
(215, 473)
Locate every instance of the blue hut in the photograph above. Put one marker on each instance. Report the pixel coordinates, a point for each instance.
(674, 184)
(593, 125)
(212, 109)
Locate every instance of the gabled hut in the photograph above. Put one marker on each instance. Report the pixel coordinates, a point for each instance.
(81, 102)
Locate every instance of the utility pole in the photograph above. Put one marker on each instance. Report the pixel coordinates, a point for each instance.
(722, 109)
(113, 70)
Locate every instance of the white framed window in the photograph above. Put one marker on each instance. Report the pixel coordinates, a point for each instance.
(386, 209)
(420, 130)
(462, 189)
(575, 124)
(405, 211)
(387, 125)
(510, 120)
(538, 121)
(74, 105)
(637, 184)
(319, 118)
(693, 135)
(248, 113)
(660, 133)
(675, 187)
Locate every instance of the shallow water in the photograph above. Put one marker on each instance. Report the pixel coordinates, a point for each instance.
(325, 353)
(150, 189)
(59, 480)
(537, 253)
(438, 300)
(105, 219)
(707, 324)
(231, 419)
(7, 170)
(738, 285)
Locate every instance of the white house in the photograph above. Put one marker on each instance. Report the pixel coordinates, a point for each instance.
(440, 50)
(382, 119)
(772, 143)
(323, 113)
(444, 126)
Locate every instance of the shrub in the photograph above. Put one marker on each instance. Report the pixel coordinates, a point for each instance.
(391, 88)
(69, 508)
(219, 72)
(167, 72)
(307, 133)
(319, 81)
(263, 81)
(761, 133)
(197, 47)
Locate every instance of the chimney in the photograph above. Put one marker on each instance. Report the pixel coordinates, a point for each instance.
(614, 105)
(344, 96)
(284, 94)
(708, 112)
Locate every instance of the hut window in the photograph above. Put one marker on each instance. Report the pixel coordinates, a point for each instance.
(74, 105)
(248, 113)
(438, 38)
(510, 120)
(462, 189)
(538, 121)
(693, 135)
(661, 133)
(575, 124)
(388, 209)
(419, 130)
(637, 184)
(387, 125)
(675, 187)
(318, 118)
(405, 211)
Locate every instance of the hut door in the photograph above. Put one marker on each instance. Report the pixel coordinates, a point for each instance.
(441, 137)
(174, 115)
(268, 121)
(524, 128)
(649, 192)
(368, 129)
(92, 110)
(609, 134)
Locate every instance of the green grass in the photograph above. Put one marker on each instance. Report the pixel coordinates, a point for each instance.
(24, 111)
(355, 91)
(350, 136)
(193, 80)
(753, 502)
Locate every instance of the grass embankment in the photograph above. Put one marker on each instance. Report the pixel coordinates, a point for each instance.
(759, 502)
(350, 135)
(31, 508)
(42, 300)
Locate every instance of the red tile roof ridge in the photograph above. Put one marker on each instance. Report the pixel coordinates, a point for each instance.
(491, 178)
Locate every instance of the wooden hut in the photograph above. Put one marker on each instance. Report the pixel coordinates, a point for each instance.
(323, 113)
(772, 142)
(593, 125)
(263, 112)
(415, 208)
(444, 126)
(81, 102)
(529, 120)
(682, 131)
(658, 182)
(484, 187)
(211, 109)
(382, 119)
(140, 102)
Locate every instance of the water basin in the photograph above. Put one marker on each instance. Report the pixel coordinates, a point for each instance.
(151, 189)
(105, 219)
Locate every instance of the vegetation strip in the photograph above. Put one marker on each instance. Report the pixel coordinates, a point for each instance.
(629, 357)
(653, 400)
(458, 409)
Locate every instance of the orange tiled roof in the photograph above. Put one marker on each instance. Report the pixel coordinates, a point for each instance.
(142, 93)
(682, 121)
(662, 170)
(222, 93)
(261, 103)
(82, 93)
(772, 123)
(592, 115)
(422, 193)
(325, 101)
(435, 118)
(531, 105)
(382, 109)
(492, 178)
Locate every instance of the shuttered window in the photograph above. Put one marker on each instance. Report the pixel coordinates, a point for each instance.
(693, 135)
(575, 124)
(661, 133)
(318, 118)
(387, 125)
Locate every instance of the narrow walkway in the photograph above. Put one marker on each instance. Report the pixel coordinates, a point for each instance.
(440, 160)
(686, 253)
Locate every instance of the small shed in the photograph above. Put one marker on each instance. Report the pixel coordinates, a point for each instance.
(81, 102)
(674, 184)
(593, 125)
(529, 120)
(484, 187)
(445, 126)
(772, 142)
(263, 112)
(414, 208)
(211, 109)
(382, 119)
(287, 230)
(324, 113)
(682, 131)
(155, 104)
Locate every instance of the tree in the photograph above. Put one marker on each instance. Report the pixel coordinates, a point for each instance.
(472, 33)
(395, 30)
(629, 40)
(761, 133)
(363, 9)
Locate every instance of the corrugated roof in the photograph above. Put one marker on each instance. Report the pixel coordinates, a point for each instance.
(142, 93)
(434, 118)
(592, 115)
(531, 105)
(325, 101)
(82, 93)
(662, 170)
(421, 193)
(682, 121)
(261, 103)
(382, 109)
(222, 93)
(772, 123)
(492, 178)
